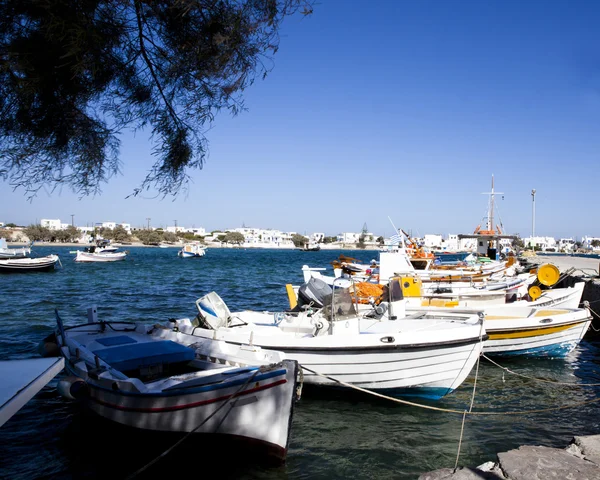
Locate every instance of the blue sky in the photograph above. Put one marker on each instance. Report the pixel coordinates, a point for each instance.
(399, 109)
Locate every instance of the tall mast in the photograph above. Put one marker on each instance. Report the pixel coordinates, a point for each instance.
(490, 217)
(491, 208)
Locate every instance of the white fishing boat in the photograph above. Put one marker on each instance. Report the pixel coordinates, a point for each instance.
(191, 250)
(393, 264)
(90, 255)
(550, 326)
(124, 374)
(424, 354)
(537, 293)
(39, 264)
(7, 252)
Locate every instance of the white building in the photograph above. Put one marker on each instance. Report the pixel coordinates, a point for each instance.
(566, 245)
(348, 237)
(543, 243)
(53, 224)
(433, 241)
(265, 238)
(316, 237)
(587, 241)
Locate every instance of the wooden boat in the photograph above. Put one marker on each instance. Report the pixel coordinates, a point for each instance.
(39, 264)
(124, 374)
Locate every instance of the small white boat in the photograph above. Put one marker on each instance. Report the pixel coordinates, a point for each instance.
(19, 252)
(191, 250)
(126, 375)
(40, 264)
(90, 255)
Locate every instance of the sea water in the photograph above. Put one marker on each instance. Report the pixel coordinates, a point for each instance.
(335, 435)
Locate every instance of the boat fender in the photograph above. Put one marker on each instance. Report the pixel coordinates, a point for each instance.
(48, 347)
(72, 388)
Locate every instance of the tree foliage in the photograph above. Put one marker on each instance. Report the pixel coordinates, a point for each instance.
(74, 75)
(299, 240)
(234, 237)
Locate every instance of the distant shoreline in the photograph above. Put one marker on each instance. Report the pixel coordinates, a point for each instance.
(209, 246)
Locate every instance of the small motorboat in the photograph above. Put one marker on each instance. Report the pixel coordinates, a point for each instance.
(28, 264)
(90, 254)
(127, 375)
(19, 252)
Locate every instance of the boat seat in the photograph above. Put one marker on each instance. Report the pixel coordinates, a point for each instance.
(132, 356)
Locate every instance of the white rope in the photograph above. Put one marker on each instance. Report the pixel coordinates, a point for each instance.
(449, 410)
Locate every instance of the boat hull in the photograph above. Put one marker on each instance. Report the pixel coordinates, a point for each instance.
(19, 265)
(244, 419)
(399, 360)
(561, 333)
(100, 257)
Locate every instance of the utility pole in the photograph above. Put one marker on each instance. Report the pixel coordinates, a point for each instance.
(532, 214)
(148, 219)
(72, 221)
(175, 226)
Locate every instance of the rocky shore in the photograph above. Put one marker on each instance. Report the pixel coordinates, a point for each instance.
(580, 460)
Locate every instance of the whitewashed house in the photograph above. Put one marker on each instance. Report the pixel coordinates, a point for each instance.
(53, 224)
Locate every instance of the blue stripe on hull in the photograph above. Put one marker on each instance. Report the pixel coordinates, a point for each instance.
(547, 351)
(429, 393)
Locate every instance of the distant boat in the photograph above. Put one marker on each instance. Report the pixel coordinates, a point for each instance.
(41, 264)
(310, 247)
(90, 255)
(192, 249)
(6, 252)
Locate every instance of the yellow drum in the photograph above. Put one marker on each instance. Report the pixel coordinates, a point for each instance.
(548, 274)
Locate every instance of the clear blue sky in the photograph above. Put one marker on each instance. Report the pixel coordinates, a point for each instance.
(400, 109)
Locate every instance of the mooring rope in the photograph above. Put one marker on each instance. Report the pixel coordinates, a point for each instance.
(540, 379)
(181, 440)
(450, 410)
(597, 316)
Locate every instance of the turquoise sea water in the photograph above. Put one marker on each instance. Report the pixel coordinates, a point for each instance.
(335, 435)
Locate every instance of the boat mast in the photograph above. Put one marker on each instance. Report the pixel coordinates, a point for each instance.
(491, 208)
(490, 216)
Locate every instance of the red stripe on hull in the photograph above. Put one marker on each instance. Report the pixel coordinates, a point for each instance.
(189, 405)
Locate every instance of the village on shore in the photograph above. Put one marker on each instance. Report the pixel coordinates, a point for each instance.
(56, 231)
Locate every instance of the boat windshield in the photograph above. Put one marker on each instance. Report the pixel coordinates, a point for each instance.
(343, 304)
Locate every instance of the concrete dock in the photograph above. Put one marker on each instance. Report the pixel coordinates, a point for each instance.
(584, 268)
(20, 380)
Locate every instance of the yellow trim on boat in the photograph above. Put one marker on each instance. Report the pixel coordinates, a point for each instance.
(291, 295)
(547, 313)
(532, 333)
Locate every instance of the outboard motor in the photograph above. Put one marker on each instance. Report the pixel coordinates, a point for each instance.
(212, 311)
(314, 291)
